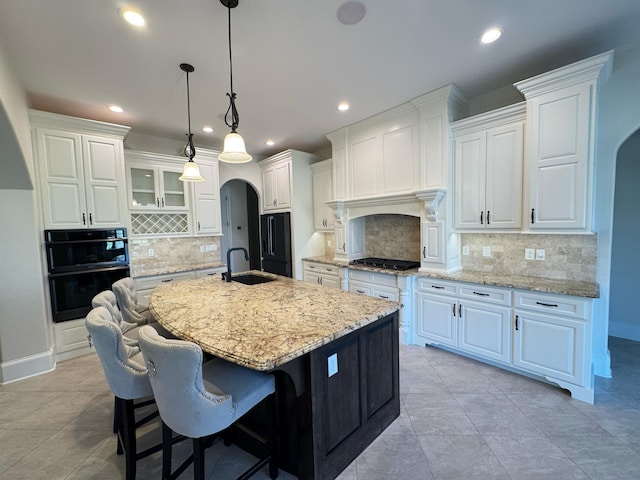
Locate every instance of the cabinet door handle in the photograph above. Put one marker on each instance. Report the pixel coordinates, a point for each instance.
(547, 304)
(460, 310)
(488, 217)
(360, 291)
(424, 251)
(198, 226)
(344, 247)
(453, 309)
(438, 287)
(517, 323)
(157, 202)
(167, 280)
(481, 294)
(481, 218)
(320, 280)
(90, 218)
(533, 220)
(84, 219)
(383, 296)
(162, 202)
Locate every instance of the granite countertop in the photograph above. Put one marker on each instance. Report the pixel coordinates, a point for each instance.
(563, 287)
(150, 272)
(266, 325)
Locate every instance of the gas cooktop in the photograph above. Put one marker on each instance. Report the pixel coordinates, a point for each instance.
(391, 264)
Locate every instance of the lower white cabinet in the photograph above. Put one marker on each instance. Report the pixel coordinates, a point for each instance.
(321, 274)
(544, 334)
(70, 339)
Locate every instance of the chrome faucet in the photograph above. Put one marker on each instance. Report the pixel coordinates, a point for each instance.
(246, 257)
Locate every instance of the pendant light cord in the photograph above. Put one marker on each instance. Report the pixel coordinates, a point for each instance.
(235, 118)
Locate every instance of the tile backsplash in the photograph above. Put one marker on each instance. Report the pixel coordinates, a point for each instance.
(567, 257)
(172, 252)
(393, 236)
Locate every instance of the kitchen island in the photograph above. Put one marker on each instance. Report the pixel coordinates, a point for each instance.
(334, 355)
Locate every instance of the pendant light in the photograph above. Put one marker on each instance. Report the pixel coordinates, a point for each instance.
(234, 150)
(191, 171)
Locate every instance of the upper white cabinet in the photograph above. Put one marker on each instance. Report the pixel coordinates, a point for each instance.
(154, 185)
(80, 167)
(276, 185)
(207, 198)
(488, 156)
(560, 139)
(323, 216)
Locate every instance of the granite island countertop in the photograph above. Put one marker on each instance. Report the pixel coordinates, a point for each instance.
(266, 325)
(538, 284)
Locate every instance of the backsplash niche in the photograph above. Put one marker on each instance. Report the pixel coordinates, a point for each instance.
(392, 236)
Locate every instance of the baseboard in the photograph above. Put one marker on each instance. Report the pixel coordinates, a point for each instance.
(630, 331)
(25, 367)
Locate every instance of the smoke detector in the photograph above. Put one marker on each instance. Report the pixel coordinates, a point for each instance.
(350, 13)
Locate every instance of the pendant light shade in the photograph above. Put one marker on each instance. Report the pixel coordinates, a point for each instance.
(190, 171)
(234, 150)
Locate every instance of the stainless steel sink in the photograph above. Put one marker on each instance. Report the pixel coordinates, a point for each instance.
(250, 279)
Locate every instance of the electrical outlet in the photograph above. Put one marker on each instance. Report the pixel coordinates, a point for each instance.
(486, 251)
(214, 248)
(329, 243)
(202, 249)
(151, 253)
(210, 248)
(332, 365)
(465, 250)
(540, 254)
(529, 254)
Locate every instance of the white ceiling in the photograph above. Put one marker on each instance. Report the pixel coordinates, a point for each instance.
(293, 61)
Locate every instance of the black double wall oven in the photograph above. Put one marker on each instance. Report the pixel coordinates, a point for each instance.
(82, 263)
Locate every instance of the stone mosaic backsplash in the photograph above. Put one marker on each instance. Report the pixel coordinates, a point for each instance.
(567, 257)
(169, 253)
(393, 236)
(330, 245)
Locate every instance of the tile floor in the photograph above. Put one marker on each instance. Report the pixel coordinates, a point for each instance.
(460, 419)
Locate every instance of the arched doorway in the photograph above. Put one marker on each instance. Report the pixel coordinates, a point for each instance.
(240, 224)
(624, 312)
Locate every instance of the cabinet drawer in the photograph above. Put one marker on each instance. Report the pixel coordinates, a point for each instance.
(372, 277)
(386, 293)
(361, 289)
(429, 285)
(553, 304)
(322, 268)
(210, 272)
(146, 283)
(489, 295)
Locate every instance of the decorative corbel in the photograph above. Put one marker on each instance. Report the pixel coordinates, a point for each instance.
(431, 199)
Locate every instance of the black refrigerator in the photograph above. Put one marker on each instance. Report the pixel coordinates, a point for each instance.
(275, 234)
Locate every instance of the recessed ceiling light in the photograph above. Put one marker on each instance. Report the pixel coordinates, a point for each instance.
(491, 35)
(207, 129)
(270, 143)
(132, 16)
(116, 108)
(350, 13)
(343, 106)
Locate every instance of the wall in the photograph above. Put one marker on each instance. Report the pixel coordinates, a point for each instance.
(624, 313)
(567, 257)
(25, 341)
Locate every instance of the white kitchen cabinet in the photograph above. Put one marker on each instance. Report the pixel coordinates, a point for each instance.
(560, 139)
(552, 337)
(474, 319)
(207, 198)
(321, 274)
(154, 185)
(383, 154)
(374, 284)
(323, 215)
(488, 157)
(80, 168)
(433, 247)
(276, 186)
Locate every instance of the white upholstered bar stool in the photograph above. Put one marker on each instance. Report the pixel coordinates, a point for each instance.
(199, 400)
(126, 374)
(127, 297)
(107, 299)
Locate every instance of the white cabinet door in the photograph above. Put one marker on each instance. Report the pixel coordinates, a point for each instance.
(364, 163)
(104, 181)
(323, 217)
(330, 281)
(207, 200)
(61, 175)
(503, 191)
(469, 190)
(276, 184)
(436, 319)
(558, 164)
(485, 330)
(550, 345)
(154, 185)
(400, 152)
(341, 239)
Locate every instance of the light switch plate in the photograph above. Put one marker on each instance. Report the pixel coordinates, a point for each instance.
(486, 251)
(465, 250)
(332, 365)
(529, 254)
(151, 253)
(540, 254)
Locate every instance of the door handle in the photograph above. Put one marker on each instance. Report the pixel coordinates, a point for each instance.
(488, 217)
(453, 309)
(424, 252)
(481, 294)
(516, 323)
(90, 218)
(533, 220)
(84, 219)
(460, 310)
(481, 221)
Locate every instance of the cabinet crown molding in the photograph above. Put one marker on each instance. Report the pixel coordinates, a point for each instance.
(494, 118)
(38, 118)
(591, 69)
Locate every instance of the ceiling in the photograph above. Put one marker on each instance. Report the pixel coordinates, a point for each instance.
(293, 61)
